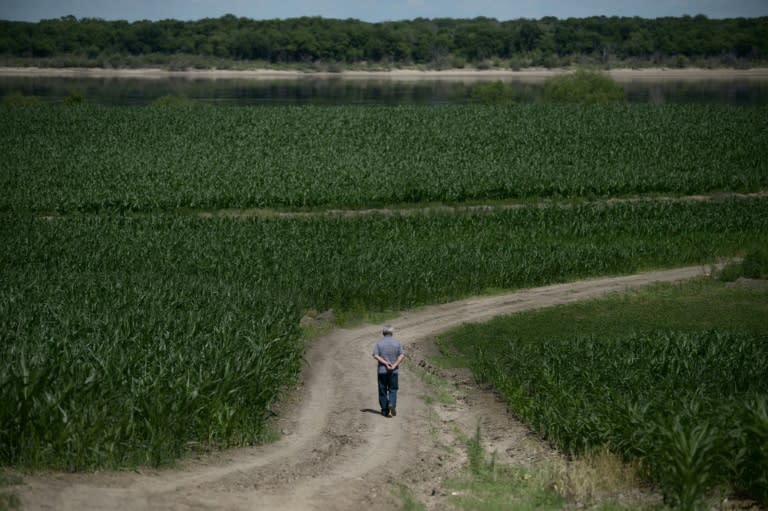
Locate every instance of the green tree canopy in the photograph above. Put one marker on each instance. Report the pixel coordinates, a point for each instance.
(409, 41)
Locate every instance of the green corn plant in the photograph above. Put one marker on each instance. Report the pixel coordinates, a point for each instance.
(687, 462)
(751, 463)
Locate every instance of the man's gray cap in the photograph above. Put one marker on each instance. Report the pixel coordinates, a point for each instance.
(389, 329)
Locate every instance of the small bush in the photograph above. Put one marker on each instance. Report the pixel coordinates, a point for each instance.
(75, 98)
(17, 99)
(170, 101)
(755, 265)
(9, 501)
(327, 66)
(483, 65)
(730, 273)
(583, 87)
(458, 62)
(493, 92)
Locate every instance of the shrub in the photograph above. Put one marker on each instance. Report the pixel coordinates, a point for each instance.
(755, 265)
(17, 99)
(458, 62)
(171, 101)
(75, 98)
(493, 92)
(583, 87)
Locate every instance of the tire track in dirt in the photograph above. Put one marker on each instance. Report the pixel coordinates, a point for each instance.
(260, 212)
(337, 452)
(245, 213)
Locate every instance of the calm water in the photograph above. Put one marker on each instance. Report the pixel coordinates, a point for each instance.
(126, 91)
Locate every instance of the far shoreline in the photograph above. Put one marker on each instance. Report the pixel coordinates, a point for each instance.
(527, 74)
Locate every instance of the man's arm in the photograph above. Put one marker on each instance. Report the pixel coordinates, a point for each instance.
(396, 363)
(382, 360)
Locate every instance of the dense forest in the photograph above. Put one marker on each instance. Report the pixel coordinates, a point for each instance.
(606, 41)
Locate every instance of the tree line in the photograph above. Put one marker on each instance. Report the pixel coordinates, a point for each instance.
(440, 42)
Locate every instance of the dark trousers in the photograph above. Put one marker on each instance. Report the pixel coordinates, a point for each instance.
(387, 391)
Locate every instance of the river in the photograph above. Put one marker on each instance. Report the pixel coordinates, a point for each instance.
(374, 90)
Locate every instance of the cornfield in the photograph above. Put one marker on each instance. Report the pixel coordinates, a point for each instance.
(123, 338)
(91, 159)
(130, 328)
(693, 407)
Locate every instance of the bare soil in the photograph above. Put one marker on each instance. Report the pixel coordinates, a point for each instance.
(336, 451)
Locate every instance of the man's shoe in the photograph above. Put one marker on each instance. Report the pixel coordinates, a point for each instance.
(385, 413)
(392, 411)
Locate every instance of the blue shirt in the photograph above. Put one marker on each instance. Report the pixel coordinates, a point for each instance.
(389, 349)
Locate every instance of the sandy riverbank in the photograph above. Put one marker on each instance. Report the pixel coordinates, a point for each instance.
(533, 74)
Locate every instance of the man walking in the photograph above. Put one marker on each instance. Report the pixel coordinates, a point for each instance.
(388, 352)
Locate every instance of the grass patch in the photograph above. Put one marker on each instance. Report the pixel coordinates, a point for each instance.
(488, 485)
(598, 480)
(441, 389)
(7, 479)
(450, 355)
(9, 501)
(506, 488)
(409, 501)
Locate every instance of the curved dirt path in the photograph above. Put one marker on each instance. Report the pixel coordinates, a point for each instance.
(336, 451)
(261, 212)
(421, 209)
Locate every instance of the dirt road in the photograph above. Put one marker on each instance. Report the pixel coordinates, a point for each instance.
(336, 451)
